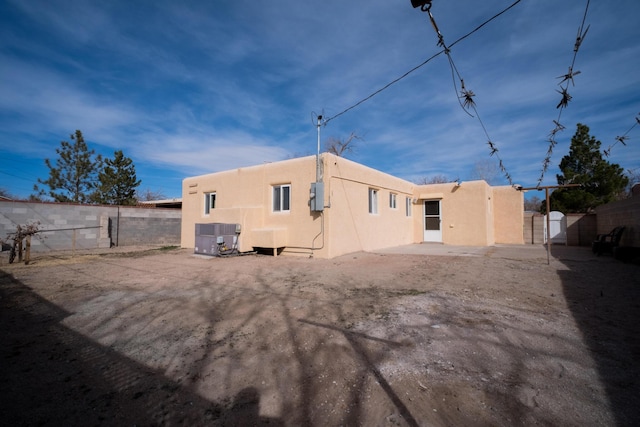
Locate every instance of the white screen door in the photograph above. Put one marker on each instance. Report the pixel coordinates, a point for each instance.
(432, 221)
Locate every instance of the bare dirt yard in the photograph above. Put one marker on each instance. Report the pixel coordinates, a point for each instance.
(438, 336)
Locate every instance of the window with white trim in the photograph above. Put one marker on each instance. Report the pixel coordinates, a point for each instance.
(408, 206)
(373, 201)
(393, 200)
(209, 202)
(282, 198)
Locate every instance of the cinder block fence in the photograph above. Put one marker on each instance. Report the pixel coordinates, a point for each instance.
(69, 226)
(582, 229)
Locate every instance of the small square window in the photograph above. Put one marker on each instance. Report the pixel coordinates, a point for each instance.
(282, 198)
(209, 202)
(373, 201)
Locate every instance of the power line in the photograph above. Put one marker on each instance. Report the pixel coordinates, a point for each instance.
(384, 87)
(422, 64)
(622, 139)
(564, 92)
(16, 176)
(465, 99)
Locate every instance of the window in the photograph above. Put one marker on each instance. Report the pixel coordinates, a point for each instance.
(209, 202)
(282, 198)
(408, 206)
(373, 201)
(393, 200)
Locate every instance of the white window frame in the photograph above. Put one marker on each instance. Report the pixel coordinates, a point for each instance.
(393, 200)
(408, 204)
(209, 202)
(281, 203)
(373, 201)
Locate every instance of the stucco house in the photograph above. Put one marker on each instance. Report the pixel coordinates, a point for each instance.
(328, 206)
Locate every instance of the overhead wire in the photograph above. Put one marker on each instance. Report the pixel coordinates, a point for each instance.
(466, 100)
(383, 88)
(12, 183)
(567, 79)
(425, 62)
(622, 139)
(468, 95)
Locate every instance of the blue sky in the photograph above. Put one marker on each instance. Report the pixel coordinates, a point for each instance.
(192, 87)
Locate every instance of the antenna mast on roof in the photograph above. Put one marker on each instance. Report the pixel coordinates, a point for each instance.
(318, 152)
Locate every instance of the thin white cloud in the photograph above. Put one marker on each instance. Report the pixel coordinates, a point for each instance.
(218, 85)
(50, 102)
(199, 154)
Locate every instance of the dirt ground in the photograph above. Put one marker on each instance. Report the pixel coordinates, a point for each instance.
(430, 336)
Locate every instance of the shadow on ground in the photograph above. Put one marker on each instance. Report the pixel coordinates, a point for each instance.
(365, 340)
(605, 304)
(52, 375)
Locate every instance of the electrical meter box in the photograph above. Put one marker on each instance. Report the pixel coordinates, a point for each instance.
(316, 197)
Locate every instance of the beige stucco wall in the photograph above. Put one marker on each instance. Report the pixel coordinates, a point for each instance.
(244, 196)
(350, 227)
(508, 215)
(473, 213)
(465, 212)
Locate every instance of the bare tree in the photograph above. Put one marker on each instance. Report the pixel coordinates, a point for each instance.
(634, 178)
(147, 195)
(435, 179)
(341, 147)
(532, 204)
(486, 170)
(4, 193)
(298, 154)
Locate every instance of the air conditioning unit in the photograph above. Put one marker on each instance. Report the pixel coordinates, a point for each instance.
(216, 239)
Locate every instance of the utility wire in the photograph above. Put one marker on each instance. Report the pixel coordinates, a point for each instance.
(564, 92)
(466, 100)
(16, 176)
(622, 139)
(384, 87)
(422, 64)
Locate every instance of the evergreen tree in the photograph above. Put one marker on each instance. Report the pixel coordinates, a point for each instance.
(117, 181)
(601, 181)
(74, 176)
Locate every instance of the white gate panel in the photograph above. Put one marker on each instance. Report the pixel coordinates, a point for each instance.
(557, 228)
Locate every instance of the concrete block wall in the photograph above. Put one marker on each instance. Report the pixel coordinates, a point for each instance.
(581, 229)
(148, 226)
(63, 226)
(69, 226)
(623, 212)
(533, 228)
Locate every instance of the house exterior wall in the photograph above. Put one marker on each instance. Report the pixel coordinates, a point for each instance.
(350, 227)
(244, 196)
(465, 212)
(508, 215)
